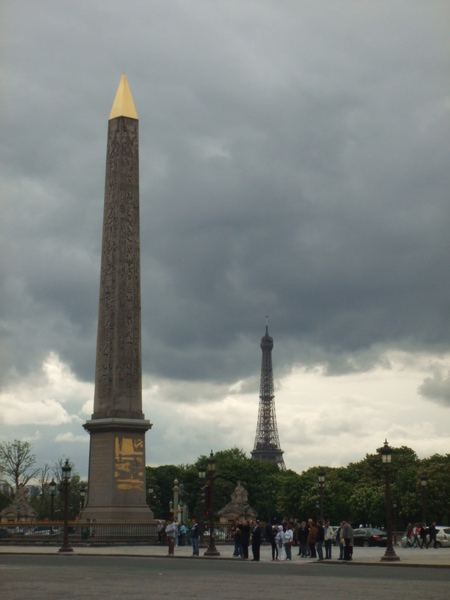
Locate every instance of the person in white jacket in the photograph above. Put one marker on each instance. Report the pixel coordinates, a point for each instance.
(288, 541)
(329, 537)
(279, 538)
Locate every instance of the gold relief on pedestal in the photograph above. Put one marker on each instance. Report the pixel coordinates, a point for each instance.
(129, 463)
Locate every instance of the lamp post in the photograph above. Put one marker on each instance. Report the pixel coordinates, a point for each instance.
(317, 510)
(394, 506)
(211, 551)
(321, 478)
(176, 491)
(201, 476)
(52, 486)
(66, 469)
(386, 456)
(423, 487)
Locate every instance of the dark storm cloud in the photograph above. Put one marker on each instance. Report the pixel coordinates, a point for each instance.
(293, 163)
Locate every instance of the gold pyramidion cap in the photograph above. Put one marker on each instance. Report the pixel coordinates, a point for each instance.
(123, 103)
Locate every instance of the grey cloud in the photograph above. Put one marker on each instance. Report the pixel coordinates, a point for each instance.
(292, 164)
(437, 388)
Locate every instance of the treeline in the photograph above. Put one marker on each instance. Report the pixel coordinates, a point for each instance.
(356, 491)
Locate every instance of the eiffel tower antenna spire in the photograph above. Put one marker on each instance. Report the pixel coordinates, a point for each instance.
(267, 443)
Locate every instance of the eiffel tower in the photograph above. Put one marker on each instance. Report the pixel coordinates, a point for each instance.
(267, 443)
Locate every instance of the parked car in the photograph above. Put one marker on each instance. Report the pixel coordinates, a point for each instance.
(369, 536)
(442, 537)
(42, 530)
(4, 533)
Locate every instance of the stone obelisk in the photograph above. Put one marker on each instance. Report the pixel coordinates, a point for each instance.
(117, 490)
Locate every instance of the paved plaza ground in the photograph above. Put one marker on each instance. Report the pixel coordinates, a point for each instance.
(143, 572)
(408, 556)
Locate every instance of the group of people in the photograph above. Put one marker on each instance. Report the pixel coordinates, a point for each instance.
(310, 537)
(174, 534)
(417, 535)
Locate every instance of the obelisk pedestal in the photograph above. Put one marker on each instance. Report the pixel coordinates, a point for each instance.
(116, 489)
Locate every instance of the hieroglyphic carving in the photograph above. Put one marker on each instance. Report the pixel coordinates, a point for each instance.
(118, 369)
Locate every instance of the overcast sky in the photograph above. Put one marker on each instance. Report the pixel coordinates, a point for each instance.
(293, 163)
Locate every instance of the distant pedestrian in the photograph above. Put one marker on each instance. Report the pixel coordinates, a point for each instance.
(432, 533)
(415, 536)
(312, 537)
(340, 540)
(423, 536)
(181, 534)
(237, 535)
(302, 537)
(171, 532)
(279, 538)
(329, 537)
(256, 541)
(347, 534)
(409, 531)
(288, 541)
(195, 532)
(320, 538)
(245, 538)
(271, 531)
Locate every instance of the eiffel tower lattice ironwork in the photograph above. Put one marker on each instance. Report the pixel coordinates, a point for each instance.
(267, 443)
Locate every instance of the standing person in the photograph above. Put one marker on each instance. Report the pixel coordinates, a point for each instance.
(415, 535)
(302, 537)
(288, 541)
(271, 531)
(432, 532)
(195, 532)
(312, 537)
(409, 531)
(181, 534)
(340, 541)
(329, 536)
(423, 536)
(236, 530)
(245, 538)
(256, 541)
(347, 534)
(279, 538)
(171, 532)
(320, 539)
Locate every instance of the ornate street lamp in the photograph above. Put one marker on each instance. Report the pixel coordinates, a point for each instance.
(321, 478)
(423, 486)
(66, 469)
(317, 510)
(386, 456)
(211, 551)
(52, 487)
(201, 476)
